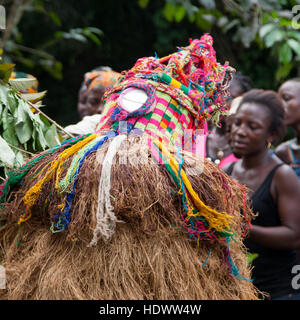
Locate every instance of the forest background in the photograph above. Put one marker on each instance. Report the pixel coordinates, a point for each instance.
(58, 41)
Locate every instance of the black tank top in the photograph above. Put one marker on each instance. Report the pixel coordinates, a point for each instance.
(271, 271)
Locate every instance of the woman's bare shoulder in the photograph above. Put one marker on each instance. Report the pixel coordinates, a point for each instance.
(282, 152)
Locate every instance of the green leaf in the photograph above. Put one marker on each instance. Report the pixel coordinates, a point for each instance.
(12, 101)
(251, 257)
(285, 54)
(222, 22)
(190, 9)
(201, 22)
(267, 28)
(55, 18)
(19, 159)
(283, 71)
(94, 38)
(8, 128)
(51, 136)
(7, 156)
(209, 18)
(274, 36)
(180, 13)
(38, 133)
(34, 96)
(208, 4)
(28, 63)
(45, 120)
(285, 22)
(294, 34)
(231, 24)
(5, 71)
(143, 3)
(295, 45)
(246, 35)
(22, 84)
(169, 11)
(10, 136)
(269, 5)
(274, 14)
(3, 94)
(58, 34)
(97, 31)
(38, 104)
(23, 125)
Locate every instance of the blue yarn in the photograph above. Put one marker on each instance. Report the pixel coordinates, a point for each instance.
(234, 268)
(64, 218)
(180, 163)
(205, 262)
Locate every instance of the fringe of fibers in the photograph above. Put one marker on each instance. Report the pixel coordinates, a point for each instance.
(106, 219)
(148, 257)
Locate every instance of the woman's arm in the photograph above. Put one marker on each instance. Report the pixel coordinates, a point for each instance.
(286, 236)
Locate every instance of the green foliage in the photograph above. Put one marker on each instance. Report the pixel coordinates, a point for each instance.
(22, 132)
(251, 257)
(265, 23)
(52, 42)
(80, 34)
(15, 50)
(5, 71)
(143, 3)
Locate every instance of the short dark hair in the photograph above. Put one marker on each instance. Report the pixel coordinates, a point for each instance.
(269, 99)
(244, 82)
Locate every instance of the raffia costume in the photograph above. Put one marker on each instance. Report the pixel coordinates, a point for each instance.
(131, 212)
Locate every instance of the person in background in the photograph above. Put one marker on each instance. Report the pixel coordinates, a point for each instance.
(217, 144)
(239, 85)
(289, 151)
(218, 147)
(274, 192)
(92, 90)
(90, 104)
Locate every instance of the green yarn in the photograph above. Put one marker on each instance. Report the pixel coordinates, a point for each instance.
(67, 181)
(15, 176)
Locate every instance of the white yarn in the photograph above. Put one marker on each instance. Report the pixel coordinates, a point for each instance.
(106, 219)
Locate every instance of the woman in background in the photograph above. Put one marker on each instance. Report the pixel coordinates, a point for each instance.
(274, 192)
(218, 141)
(289, 151)
(90, 104)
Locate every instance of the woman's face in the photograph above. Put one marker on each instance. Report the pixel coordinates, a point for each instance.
(289, 93)
(81, 105)
(90, 102)
(250, 129)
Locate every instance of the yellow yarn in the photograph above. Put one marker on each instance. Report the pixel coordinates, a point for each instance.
(53, 172)
(62, 185)
(61, 206)
(217, 220)
(69, 152)
(27, 216)
(176, 84)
